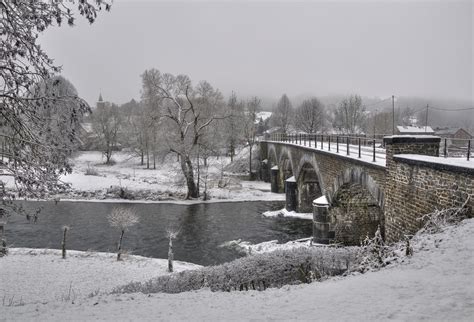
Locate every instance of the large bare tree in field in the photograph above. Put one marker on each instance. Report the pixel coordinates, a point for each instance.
(30, 157)
(187, 114)
(310, 116)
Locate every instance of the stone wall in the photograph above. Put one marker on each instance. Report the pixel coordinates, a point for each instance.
(414, 188)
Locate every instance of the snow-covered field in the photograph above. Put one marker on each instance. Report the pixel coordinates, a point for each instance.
(165, 183)
(436, 283)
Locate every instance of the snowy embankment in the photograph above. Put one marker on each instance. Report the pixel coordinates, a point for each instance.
(163, 184)
(436, 283)
(41, 275)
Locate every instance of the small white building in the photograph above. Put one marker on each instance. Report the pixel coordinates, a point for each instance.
(415, 130)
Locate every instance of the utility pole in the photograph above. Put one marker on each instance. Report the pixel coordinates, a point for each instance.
(393, 115)
(375, 121)
(426, 119)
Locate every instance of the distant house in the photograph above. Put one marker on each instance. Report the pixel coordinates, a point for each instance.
(415, 130)
(456, 137)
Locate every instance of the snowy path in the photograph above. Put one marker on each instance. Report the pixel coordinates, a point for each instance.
(437, 283)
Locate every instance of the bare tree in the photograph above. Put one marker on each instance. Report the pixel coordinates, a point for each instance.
(233, 124)
(122, 218)
(282, 117)
(407, 116)
(310, 116)
(106, 122)
(188, 113)
(349, 115)
(250, 126)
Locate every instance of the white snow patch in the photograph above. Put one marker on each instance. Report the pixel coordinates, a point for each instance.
(285, 213)
(266, 247)
(321, 201)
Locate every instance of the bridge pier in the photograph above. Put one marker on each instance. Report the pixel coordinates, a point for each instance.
(274, 179)
(321, 220)
(264, 171)
(291, 194)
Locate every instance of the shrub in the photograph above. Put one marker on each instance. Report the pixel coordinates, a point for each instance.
(120, 192)
(91, 171)
(260, 271)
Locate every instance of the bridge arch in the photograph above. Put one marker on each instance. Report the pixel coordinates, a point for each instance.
(359, 176)
(272, 156)
(356, 206)
(309, 184)
(286, 169)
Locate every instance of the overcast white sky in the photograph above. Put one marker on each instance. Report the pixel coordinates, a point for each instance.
(265, 48)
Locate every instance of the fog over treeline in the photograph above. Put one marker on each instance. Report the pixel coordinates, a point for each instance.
(326, 49)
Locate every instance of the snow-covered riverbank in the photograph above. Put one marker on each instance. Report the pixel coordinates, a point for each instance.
(436, 283)
(92, 180)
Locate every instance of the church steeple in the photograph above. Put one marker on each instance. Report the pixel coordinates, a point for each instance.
(100, 102)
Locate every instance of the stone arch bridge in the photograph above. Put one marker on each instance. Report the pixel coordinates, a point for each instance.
(362, 194)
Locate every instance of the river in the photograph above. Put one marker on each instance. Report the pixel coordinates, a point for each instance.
(203, 227)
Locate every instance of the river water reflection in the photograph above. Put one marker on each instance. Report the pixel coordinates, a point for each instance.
(203, 228)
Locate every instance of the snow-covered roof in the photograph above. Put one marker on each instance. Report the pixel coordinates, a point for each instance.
(414, 129)
(291, 179)
(263, 115)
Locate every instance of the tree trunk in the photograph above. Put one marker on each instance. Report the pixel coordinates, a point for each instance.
(187, 168)
(63, 244)
(147, 156)
(119, 252)
(250, 161)
(170, 256)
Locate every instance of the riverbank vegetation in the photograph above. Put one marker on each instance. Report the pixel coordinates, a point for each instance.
(298, 265)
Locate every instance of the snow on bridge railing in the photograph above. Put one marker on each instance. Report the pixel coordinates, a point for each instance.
(361, 146)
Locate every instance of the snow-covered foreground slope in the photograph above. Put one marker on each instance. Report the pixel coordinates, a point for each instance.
(437, 283)
(40, 275)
